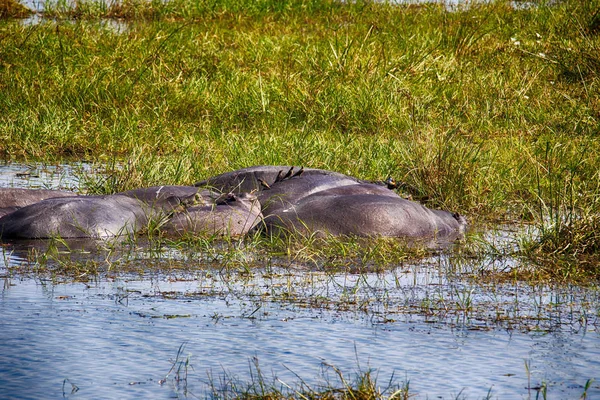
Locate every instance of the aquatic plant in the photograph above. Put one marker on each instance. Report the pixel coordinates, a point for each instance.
(565, 242)
(362, 386)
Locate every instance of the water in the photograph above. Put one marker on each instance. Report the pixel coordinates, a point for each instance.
(117, 335)
(43, 176)
(118, 339)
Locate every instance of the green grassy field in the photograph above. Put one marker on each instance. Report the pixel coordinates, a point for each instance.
(489, 110)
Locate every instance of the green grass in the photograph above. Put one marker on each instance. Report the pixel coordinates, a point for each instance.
(13, 9)
(487, 110)
(363, 385)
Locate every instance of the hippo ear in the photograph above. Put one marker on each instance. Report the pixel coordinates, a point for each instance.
(298, 173)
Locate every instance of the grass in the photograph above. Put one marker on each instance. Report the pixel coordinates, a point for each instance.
(487, 110)
(89, 259)
(13, 9)
(363, 386)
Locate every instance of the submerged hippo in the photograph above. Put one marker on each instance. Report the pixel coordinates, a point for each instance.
(11, 199)
(75, 217)
(336, 205)
(232, 215)
(261, 177)
(287, 192)
(316, 200)
(7, 210)
(359, 211)
(161, 201)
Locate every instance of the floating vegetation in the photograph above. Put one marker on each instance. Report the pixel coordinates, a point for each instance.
(382, 280)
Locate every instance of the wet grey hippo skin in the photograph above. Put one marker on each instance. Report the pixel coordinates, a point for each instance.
(310, 200)
(363, 214)
(254, 178)
(170, 194)
(285, 193)
(232, 215)
(161, 201)
(11, 199)
(332, 203)
(7, 210)
(75, 217)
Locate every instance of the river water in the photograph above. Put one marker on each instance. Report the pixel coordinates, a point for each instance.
(117, 335)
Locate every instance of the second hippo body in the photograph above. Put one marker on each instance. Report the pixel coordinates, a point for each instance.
(364, 215)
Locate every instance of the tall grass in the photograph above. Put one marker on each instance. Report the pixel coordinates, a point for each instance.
(569, 218)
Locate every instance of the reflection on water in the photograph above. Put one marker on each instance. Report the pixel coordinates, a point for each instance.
(113, 25)
(116, 335)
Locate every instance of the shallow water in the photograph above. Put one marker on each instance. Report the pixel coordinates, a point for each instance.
(118, 339)
(117, 335)
(43, 176)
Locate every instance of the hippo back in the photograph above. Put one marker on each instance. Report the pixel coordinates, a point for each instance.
(253, 178)
(75, 217)
(233, 216)
(363, 215)
(168, 197)
(290, 191)
(20, 197)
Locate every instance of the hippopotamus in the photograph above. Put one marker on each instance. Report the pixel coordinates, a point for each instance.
(186, 195)
(284, 193)
(7, 210)
(261, 177)
(363, 210)
(11, 199)
(231, 215)
(75, 217)
(328, 202)
(160, 201)
(128, 212)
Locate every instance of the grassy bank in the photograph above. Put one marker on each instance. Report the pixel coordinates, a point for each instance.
(488, 110)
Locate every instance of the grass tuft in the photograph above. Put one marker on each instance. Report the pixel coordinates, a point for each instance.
(13, 9)
(363, 386)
